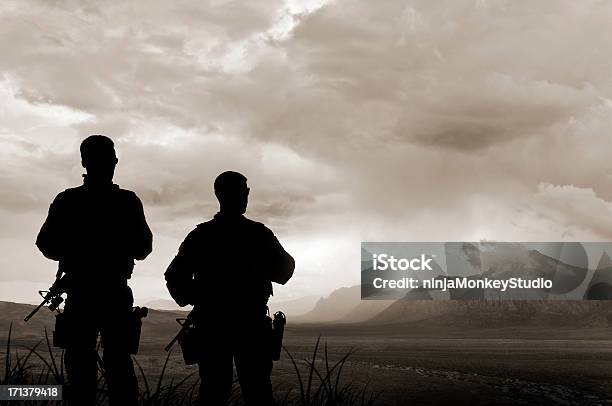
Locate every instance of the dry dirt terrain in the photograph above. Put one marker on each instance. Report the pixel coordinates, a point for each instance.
(419, 363)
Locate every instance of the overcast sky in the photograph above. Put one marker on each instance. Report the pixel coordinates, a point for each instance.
(353, 120)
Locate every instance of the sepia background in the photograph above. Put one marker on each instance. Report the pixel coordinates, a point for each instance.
(353, 120)
(449, 120)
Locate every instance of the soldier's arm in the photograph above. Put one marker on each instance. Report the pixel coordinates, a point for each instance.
(143, 238)
(180, 272)
(279, 263)
(51, 238)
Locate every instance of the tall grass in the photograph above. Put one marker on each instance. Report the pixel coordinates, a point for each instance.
(319, 380)
(329, 390)
(166, 393)
(19, 369)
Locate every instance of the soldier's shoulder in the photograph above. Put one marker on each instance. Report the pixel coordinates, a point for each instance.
(199, 233)
(71, 191)
(68, 194)
(204, 226)
(127, 195)
(257, 226)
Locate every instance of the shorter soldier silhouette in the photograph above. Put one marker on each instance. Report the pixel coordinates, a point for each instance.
(225, 268)
(96, 231)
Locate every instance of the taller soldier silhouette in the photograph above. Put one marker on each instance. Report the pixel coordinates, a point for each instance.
(225, 268)
(96, 231)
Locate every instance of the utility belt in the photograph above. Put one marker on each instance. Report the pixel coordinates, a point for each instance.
(193, 340)
(67, 324)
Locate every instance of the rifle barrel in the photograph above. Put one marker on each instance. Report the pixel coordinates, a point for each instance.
(171, 343)
(187, 323)
(33, 312)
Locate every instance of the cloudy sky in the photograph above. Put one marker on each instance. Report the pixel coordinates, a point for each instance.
(353, 120)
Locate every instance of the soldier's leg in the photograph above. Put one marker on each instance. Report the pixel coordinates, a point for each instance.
(80, 359)
(119, 368)
(216, 374)
(254, 376)
(120, 376)
(254, 365)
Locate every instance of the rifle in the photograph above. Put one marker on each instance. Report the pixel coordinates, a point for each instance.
(52, 297)
(188, 338)
(185, 323)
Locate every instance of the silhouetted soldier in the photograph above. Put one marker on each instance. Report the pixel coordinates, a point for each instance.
(96, 231)
(225, 268)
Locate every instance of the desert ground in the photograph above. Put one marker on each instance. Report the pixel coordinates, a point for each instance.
(503, 366)
(418, 363)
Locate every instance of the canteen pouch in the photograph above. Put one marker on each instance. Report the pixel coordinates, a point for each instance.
(278, 330)
(135, 328)
(190, 345)
(60, 333)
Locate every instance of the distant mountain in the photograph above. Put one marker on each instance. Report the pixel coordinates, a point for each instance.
(496, 313)
(600, 285)
(533, 264)
(501, 313)
(365, 310)
(344, 305)
(162, 304)
(295, 307)
(403, 311)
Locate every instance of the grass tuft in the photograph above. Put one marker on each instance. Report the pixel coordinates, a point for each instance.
(329, 390)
